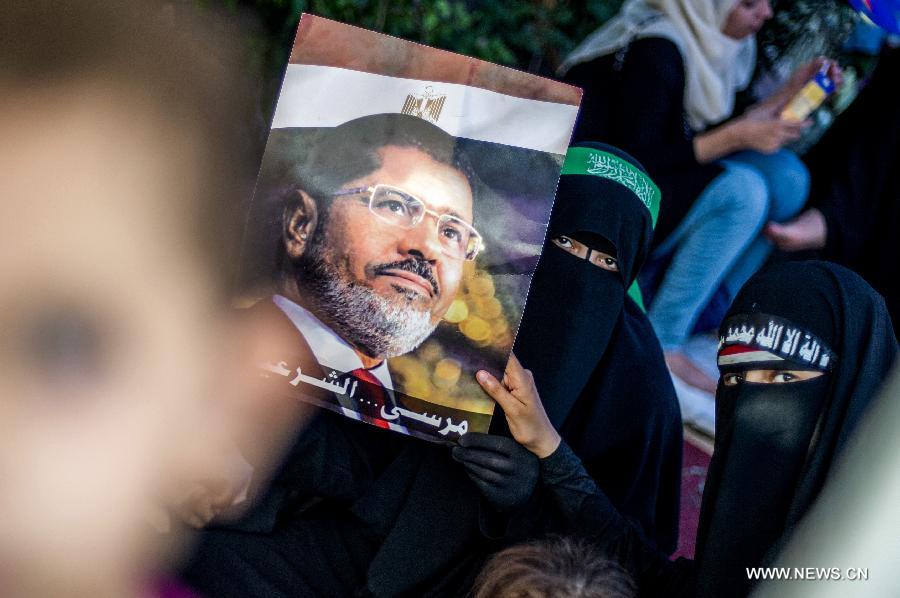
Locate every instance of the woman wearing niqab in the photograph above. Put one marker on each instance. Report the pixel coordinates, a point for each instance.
(803, 352)
(595, 357)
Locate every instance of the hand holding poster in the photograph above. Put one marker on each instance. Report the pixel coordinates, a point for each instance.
(397, 220)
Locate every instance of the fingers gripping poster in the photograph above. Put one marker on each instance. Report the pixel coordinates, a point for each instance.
(398, 217)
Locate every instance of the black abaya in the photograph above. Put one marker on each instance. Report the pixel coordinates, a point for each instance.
(856, 183)
(596, 361)
(778, 442)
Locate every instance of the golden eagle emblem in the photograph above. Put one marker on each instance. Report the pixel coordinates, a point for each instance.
(427, 105)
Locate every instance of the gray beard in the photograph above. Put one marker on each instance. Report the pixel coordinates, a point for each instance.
(377, 326)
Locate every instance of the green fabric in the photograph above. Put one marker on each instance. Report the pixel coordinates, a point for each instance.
(634, 291)
(589, 161)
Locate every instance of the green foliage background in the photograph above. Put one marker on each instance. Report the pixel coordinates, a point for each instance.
(528, 34)
(531, 35)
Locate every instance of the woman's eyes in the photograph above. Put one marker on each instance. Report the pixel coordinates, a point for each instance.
(597, 258)
(762, 377)
(732, 379)
(605, 261)
(571, 245)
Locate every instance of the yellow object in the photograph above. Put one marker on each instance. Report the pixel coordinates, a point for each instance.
(482, 285)
(804, 103)
(458, 311)
(446, 373)
(476, 329)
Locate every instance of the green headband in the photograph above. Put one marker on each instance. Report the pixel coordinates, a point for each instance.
(586, 160)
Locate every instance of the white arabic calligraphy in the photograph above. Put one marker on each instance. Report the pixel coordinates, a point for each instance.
(330, 386)
(395, 412)
(460, 428)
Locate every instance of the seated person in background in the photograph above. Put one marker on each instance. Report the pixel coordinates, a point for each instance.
(804, 350)
(553, 568)
(598, 364)
(856, 186)
(660, 81)
(119, 390)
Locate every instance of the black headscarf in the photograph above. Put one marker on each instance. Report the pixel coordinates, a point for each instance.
(597, 363)
(775, 443)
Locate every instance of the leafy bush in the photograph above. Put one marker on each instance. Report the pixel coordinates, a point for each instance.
(528, 34)
(532, 35)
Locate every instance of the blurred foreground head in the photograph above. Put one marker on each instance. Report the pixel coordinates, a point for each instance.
(121, 170)
(557, 567)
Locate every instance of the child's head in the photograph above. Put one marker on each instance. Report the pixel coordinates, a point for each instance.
(553, 568)
(119, 181)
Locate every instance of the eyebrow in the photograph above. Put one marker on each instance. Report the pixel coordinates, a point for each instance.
(455, 214)
(450, 212)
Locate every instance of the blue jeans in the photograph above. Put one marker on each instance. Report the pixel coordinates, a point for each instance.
(719, 242)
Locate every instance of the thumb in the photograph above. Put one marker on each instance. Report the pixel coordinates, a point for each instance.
(497, 391)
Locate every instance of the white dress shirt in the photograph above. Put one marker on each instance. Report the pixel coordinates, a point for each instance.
(328, 348)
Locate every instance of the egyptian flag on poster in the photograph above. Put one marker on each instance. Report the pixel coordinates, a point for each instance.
(338, 72)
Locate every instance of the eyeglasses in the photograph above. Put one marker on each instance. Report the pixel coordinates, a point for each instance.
(394, 206)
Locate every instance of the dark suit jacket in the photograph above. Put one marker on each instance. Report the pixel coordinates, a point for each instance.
(408, 494)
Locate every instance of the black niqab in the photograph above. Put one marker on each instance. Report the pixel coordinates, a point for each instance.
(776, 443)
(597, 363)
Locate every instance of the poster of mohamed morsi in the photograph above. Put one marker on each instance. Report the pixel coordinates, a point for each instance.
(397, 220)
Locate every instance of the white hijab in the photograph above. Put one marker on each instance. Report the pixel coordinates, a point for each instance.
(716, 65)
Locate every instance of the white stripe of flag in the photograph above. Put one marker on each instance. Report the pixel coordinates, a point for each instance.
(748, 357)
(325, 96)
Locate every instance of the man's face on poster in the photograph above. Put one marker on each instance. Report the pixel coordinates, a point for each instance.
(366, 247)
(404, 273)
